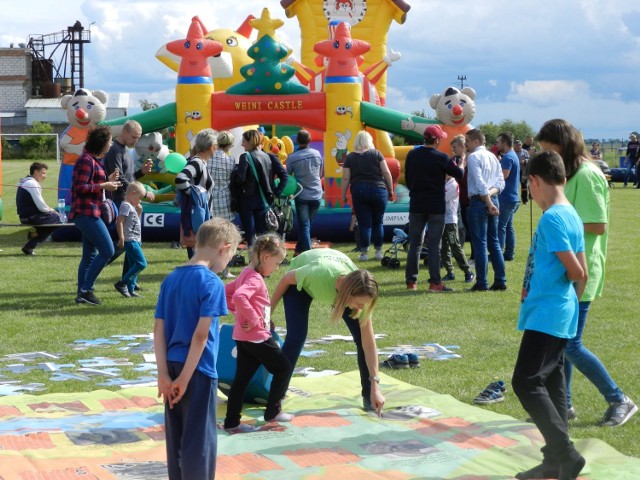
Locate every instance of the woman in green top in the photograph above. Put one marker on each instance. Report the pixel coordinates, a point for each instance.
(330, 277)
(588, 191)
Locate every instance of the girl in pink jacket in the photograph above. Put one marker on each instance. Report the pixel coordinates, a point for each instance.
(248, 300)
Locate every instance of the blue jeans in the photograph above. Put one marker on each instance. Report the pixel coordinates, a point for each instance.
(484, 236)
(628, 172)
(252, 212)
(305, 212)
(296, 311)
(588, 364)
(134, 258)
(417, 222)
(97, 250)
(506, 232)
(369, 203)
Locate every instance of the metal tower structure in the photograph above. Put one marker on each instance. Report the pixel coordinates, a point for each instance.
(66, 58)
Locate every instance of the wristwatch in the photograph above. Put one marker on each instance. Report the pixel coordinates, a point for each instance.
(375, 378)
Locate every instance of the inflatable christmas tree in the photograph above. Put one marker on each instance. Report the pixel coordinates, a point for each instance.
(267, 75)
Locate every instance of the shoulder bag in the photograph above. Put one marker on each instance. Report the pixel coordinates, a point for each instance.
(270, 217)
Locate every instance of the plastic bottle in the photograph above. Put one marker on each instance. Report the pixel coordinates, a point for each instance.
(62, 210)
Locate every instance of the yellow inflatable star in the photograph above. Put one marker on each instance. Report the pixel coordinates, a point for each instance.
(265, 25)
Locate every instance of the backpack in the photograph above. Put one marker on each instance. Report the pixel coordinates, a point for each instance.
(199, 207)
(194, 212)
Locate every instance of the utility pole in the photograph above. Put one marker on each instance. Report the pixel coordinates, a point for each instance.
(461, 79)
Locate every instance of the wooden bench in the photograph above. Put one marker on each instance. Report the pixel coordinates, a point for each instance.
(28, 225)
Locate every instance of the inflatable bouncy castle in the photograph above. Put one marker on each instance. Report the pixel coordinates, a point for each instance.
(231, 79)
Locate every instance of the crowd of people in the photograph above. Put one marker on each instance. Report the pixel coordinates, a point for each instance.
(474, 193)
(565, 272)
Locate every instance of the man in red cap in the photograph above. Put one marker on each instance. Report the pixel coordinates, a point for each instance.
(425, 170)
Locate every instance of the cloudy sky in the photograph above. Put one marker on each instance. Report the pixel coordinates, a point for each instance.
(527, 60)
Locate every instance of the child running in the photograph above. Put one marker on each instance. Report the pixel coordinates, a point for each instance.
(554, 279)
(248, 299)
(130, 238)
(186, 340)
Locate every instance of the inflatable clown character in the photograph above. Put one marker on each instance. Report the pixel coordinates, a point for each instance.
(454, 110)
(84, 110)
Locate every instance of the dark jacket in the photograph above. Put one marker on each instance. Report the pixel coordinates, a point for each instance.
(243, 181)
(425, 170)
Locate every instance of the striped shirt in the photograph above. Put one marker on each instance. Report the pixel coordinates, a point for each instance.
(195, 173)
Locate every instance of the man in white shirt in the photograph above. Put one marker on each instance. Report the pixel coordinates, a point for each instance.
(484, 182)
(32, 209)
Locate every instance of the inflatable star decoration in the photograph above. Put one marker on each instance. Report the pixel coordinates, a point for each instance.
(265, 25)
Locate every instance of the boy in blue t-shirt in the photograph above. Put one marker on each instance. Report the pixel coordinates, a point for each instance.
(186, 342)
(555, 277)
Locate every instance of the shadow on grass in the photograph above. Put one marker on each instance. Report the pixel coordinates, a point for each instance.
(64, 305)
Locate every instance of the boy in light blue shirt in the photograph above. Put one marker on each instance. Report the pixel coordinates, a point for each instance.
(555, 277)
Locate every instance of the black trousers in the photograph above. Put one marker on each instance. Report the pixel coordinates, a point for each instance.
(538, 381)
(250, 357)
(42, 233)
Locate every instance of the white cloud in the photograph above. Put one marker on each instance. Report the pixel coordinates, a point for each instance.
(523, 59)
(547, 92)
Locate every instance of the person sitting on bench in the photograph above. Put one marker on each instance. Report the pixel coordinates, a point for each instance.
(32, 209)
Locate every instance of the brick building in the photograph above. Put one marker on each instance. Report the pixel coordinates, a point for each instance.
(24, 99)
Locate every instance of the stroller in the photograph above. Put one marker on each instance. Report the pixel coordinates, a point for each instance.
(283, 208)
(400, 240)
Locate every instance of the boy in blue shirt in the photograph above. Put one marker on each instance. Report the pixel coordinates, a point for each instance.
(555, 277)
(186, 342)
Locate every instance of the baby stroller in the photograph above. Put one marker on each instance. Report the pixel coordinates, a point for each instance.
(400, 240)
(283, 208)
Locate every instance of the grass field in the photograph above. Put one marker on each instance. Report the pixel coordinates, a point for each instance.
(37, 312)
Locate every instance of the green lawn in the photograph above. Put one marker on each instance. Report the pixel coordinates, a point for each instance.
(37, 312)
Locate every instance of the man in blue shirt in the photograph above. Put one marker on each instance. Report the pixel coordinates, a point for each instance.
(509, 198)
(306, 165)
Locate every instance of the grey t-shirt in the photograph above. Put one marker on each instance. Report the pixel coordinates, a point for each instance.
(131, 225)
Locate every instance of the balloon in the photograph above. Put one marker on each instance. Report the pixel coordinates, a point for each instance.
(290, 188)
(175, 162)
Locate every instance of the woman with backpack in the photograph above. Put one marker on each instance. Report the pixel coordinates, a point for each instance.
(195, 173)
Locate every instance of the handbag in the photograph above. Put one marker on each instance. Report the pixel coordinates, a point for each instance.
(108, 210)
(271, 220)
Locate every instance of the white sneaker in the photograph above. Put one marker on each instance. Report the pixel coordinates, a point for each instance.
(363, 257)
(379, 255)
(281, 417)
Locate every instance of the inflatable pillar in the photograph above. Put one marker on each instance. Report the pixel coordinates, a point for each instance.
(195, 84)
(343, 96)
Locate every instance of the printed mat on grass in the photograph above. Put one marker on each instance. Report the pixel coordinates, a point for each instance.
(120, 435)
